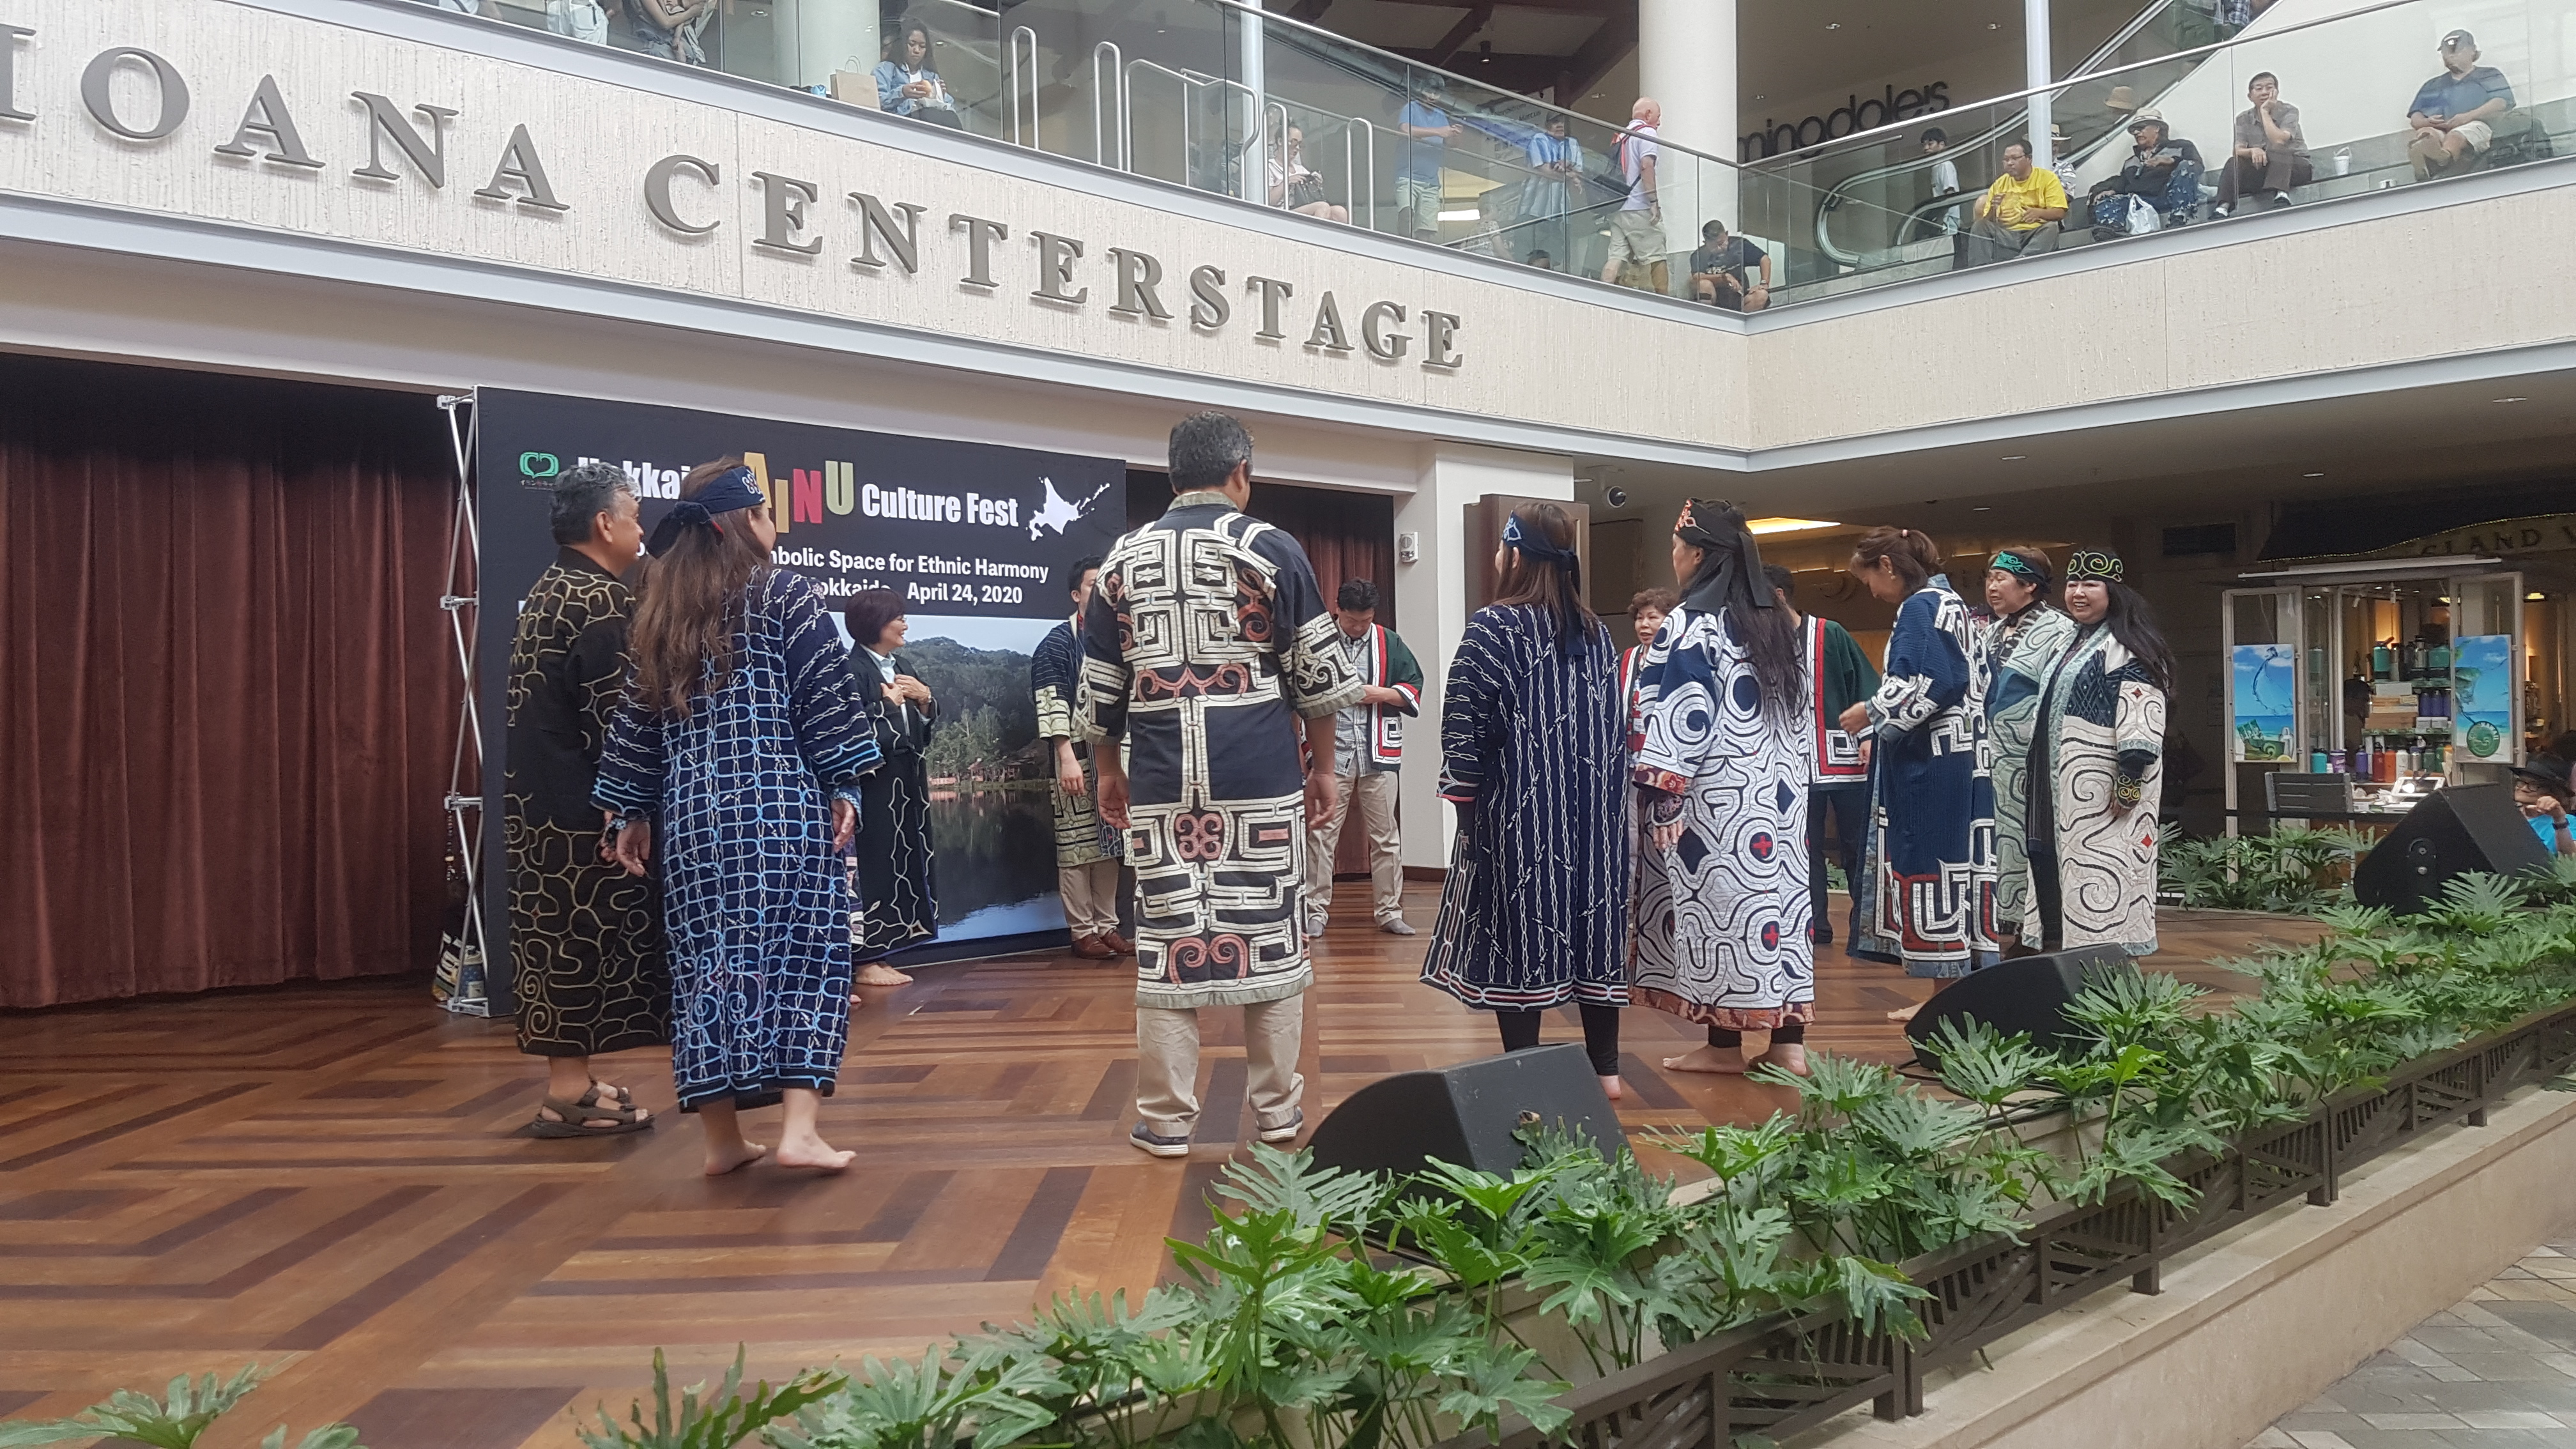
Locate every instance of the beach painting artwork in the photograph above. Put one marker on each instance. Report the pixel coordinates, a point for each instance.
(2482, 695)
(2266, 694)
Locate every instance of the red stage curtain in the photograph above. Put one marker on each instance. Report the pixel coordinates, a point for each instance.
(228, 698)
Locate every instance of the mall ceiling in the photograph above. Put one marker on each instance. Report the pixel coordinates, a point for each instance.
(2454, 435)
(1793, 53)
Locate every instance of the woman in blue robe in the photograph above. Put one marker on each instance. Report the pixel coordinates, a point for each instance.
(1534, 755)
(1929, 897)
(741, 742)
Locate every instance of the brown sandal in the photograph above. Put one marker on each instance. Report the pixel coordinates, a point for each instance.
(575, 1119)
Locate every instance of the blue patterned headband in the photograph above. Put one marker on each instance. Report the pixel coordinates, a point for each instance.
(2094, 563)
(730, 492)
(1528, 541)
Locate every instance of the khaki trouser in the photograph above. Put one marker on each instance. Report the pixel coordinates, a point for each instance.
(1167, 1064)
(1090, 897)
(1374, 791)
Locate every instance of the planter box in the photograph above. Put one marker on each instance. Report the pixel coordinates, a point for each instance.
(1791, 1374)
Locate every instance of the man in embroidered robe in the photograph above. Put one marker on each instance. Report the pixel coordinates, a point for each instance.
(1207, 651)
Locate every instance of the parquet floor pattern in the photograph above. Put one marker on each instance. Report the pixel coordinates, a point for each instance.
(331, 1178)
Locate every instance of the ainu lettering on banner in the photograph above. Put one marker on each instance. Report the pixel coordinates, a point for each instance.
(135, 95)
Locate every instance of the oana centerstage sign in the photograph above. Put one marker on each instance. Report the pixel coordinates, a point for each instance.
(977, 539)
(136, 96)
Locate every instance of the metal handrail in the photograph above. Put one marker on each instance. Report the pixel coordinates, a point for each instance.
(1115, 93)
(1011, 73)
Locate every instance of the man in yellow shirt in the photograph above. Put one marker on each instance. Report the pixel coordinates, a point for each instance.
(2018, 215)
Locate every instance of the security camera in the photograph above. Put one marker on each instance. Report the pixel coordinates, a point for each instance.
(1615, 497)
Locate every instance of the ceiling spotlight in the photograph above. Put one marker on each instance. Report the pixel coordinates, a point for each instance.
(1787, 525)
(1833, 25)
(2015, 457)
(2512, 399)
(1981, 508)
(1615, 497)
(2535, 597)
(2312, 475)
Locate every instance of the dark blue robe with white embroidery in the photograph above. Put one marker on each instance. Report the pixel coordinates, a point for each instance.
(755, 900)
(1534, 741)
(1929, 900)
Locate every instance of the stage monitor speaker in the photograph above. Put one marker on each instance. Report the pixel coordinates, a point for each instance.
(1467, 1114)
(2025, 994)
(2453, 832)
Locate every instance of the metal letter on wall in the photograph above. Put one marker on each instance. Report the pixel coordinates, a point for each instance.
(96, 90)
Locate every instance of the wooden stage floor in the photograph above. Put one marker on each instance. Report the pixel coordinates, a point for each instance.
(330, 1178)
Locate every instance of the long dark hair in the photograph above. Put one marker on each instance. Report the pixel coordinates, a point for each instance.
(1545, 584)
(691, 602)
(2132, 621)
(1770, 641)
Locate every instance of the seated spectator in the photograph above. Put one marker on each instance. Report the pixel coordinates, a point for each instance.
(484, 9)
(671, 28)
(582, 20)
(1722, 271)
(2271, 153)
(1292, 185)
(2455, 113)
(1427, 133)
(2018, 215)
(2540, 787)
(907, 86)
(1542, 261)
(1945, 175)
(2159, 170)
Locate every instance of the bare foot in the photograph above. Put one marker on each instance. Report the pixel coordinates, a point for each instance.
(1610, 1088)
(1715, 1060)
(723, 1160)
(1789, 1057)
(811, 1151)
(1905, 1015)
(878, 973)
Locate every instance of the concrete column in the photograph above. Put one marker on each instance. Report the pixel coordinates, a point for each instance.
(1431, 604)
(2036, 65)
(1254, 37)
(825, 35)
(1686, 59)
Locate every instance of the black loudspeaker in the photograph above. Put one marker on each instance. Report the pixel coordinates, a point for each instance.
(2455, 831)
(2025, 994)
(1467, 1114)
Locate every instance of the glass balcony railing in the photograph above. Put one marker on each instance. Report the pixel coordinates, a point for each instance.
(1217, 96)
(1885, 205)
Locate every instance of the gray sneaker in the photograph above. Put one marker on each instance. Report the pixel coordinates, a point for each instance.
(1146, 1139)
(1284, 1133)
(1314, 928)
(1398, 926)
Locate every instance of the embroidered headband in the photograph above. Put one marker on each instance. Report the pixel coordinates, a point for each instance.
(2029, 570)
(1732, 564)
(2094, 563)
(728, 493)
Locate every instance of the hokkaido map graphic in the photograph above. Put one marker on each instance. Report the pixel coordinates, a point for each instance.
(975, 537)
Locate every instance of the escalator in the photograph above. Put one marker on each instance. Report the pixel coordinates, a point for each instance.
(1872, 206)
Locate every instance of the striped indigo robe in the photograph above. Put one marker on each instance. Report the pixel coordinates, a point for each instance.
(1534, 751)
(755, 898)
(1722, 916)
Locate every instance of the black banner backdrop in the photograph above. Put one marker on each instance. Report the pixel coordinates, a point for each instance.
(976, 538)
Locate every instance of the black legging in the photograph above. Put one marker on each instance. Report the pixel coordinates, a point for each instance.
(1600, 1034)
(1787, 1033)
(2047, 921)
